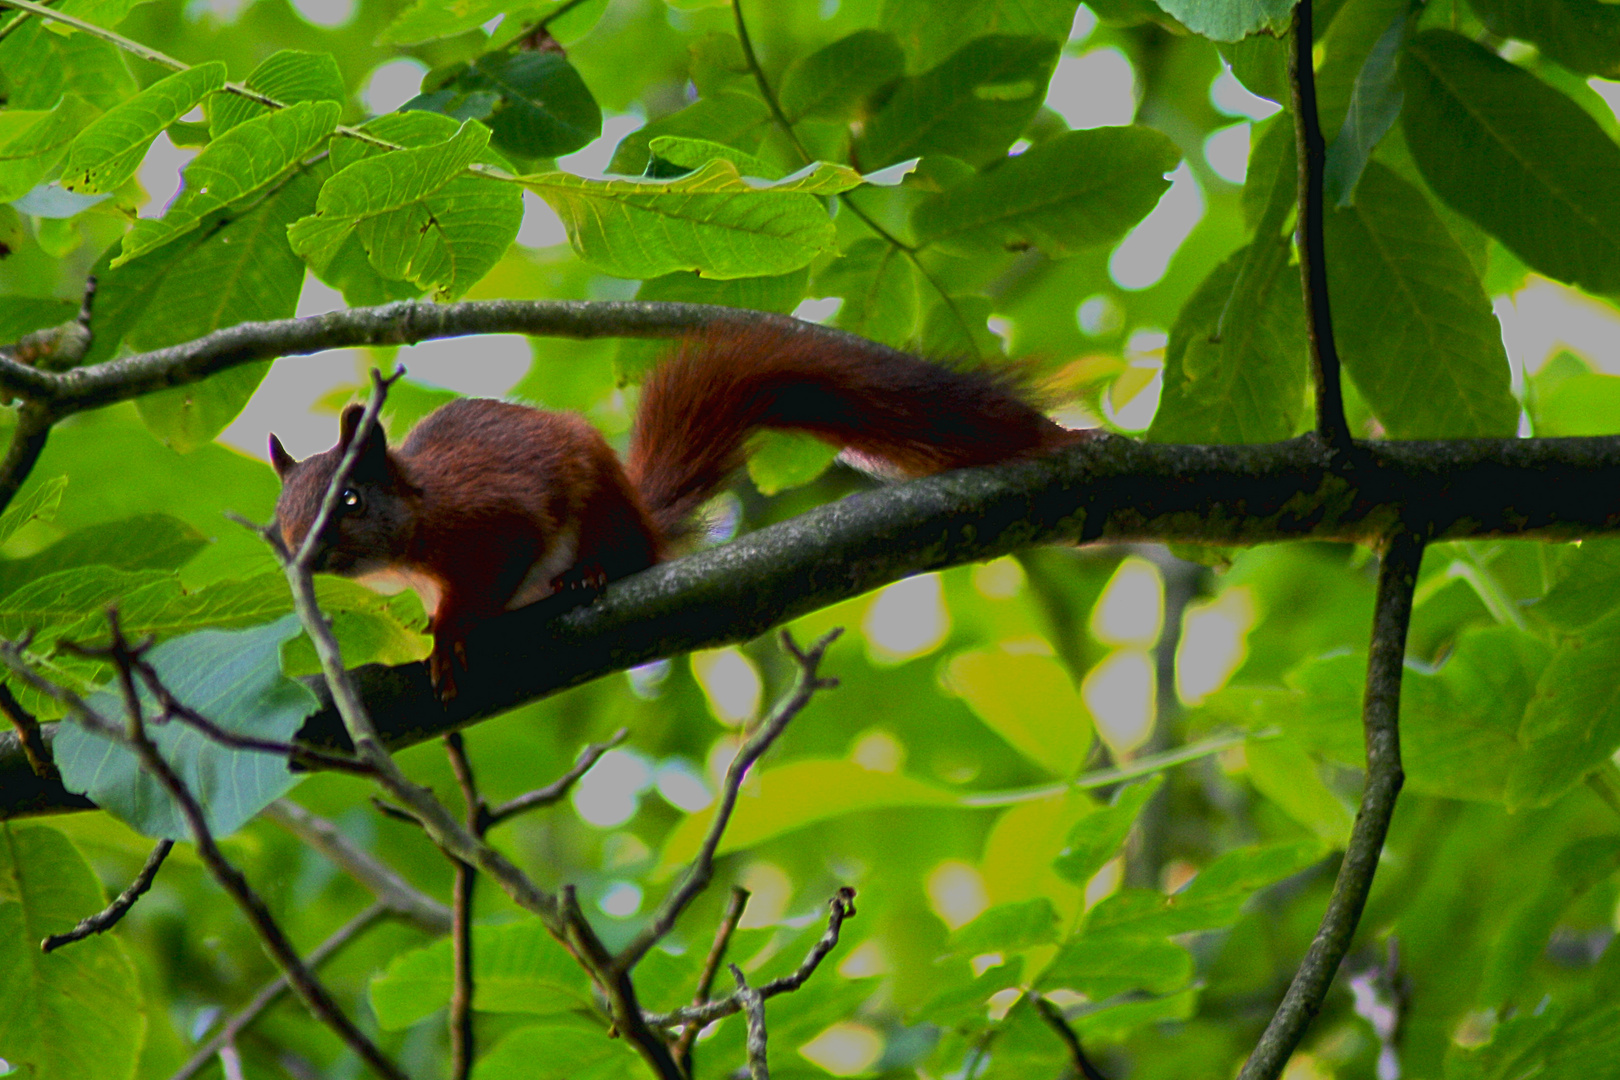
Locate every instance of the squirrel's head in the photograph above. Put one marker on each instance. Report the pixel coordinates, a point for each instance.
(373, 522)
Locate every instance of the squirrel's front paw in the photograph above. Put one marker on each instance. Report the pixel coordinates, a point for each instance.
(448, 656)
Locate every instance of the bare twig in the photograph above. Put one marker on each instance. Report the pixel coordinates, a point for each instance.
(840, 907)
(275, 988)
(108, 917)
(461, 903)
(1311, 151)
(701, 872)
(133, 734)
(376, 877)
(33, 743)
(1397, 576)
(1077, 1054)
(711, 965)
(559, 788)
(753, 1007)
(615, 984)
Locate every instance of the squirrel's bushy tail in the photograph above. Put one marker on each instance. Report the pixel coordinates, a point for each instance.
(699, 405)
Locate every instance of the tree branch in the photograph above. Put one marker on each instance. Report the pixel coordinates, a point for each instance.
(753, 1007)
(559, 788)
(682, 1050)
(1311, 152)
(1107, 489)
(108, 917)
(805, 684)
(461, 904)
(1077, 1054)
(29, 737)
(1397, 575)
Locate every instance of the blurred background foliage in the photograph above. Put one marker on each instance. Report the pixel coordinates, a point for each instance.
(934, 779)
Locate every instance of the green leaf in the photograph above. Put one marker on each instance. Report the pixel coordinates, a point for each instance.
(1028, 700)
(1587, 403)
(1097, 836)
(517, 967)
(1078, 190)
(50, 604)
(930, 31)
(780, 460)
(1523, 161)
(1572, 724)
(1555, 1042)
(1234, 369)
(712, 221)
(77, 1012)
(1230, 20)
(1587, 587)
(234, 679)
(32, 141)
(1414, 326)
(1008, 928)
(554, 1052)
(696, 153)
(791, 796)
(242, 271)
(1114, 1022)
(880, 287)
(143, 542)
(1104, 966)
(972, 106)
(110, 150)
(40, 503)
(244, 161)
(42, 66)
(837, 81)
(21, 315)
(780, 293)
(728, 117)
(1583, 35)
(1281, 771)
(287, 75)
(535, 103)
(429, 19)
(1374, 104)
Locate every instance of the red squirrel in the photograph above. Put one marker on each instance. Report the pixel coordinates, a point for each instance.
(488, 506)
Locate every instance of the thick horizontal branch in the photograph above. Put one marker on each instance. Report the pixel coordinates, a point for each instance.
(403, 323)
(1109, 489)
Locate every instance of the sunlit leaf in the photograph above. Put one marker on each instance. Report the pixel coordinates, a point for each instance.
(1230, 20)
(288, 76)
(110, 150)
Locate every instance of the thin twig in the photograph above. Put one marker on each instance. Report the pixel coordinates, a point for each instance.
(1311, 151)
(401, 899)
(310, 989)
(15, 24)
(711, 966)
(701, 872)
(629, 1020)
(558, 789)
(753, 1007)
(840, 907)
(1397, 576)
(461, 903)
(108, 917)
(1077, 1054)
(28, 734)
(272, 991)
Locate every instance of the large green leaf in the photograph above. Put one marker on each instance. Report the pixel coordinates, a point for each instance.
(1230, 20)
(1583, 35)
(244, 161)
(1373, 104)
(1587, 403)
(40, 503)
(77, 1012)
(837, 80)
(930, 31)
(234, 679)
(1550, 1042)
(1525, 162)
(517, 967)
(40, 66)
(1413, 324)
(287, 75)
(880, 286)
(712, 221)
(556, 1052)
(1008, 928)
(729, 117)
(535, 103)
(1029, 700)
(1572, 724)
(110, 150)
(1235, 367)
(429, 19)
(1104, 966)
(972, 106)
(32, 141)
(243, 270)
(780, 293)
(143, 542)
(1079, 190)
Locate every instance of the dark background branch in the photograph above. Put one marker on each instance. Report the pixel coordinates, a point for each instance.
(1109, 489)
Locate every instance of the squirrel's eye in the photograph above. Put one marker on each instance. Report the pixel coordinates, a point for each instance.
(350, 498)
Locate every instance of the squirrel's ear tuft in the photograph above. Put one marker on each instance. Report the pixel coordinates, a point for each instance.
(349, 423)
(279, 457)
(373, 461)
